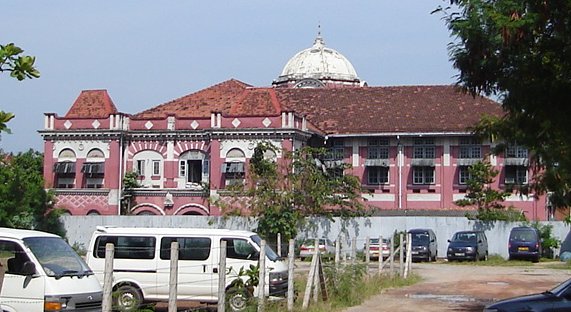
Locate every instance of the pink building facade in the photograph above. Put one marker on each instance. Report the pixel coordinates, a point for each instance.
(409, 146)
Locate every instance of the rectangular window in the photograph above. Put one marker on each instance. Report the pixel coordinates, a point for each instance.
(470, 148)
(463, 174)
(140, 167)
(516, 151)
(516, 175)
(156, 167)
(65, 182)
(423, 175)
(423, 148)
(189, 248)
(378, 149)
(239, 249)
(377, 175)
(94, 182)
(182, 168)
(336, 151)
(127, 247)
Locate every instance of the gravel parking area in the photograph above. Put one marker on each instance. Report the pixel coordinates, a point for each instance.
(464, 287)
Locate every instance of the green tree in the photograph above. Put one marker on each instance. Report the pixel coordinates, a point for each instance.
(20, 67)
(488, 200)
(25, 203)
(281, 194)
(520, 52)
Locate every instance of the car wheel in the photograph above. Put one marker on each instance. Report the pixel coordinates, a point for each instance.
(127, 298)
(237, 299)
(486, 256)
(435, 256)
(535, 259)
(429, 257)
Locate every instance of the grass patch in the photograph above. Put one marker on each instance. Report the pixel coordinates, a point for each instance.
(494, 260)
(346, 287)
(559, 265)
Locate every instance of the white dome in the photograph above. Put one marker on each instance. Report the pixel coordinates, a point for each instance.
(318, 62)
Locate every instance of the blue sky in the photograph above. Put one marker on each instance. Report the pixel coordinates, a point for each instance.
(146, 53)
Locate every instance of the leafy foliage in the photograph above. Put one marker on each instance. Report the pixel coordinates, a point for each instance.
(280, 194)
(130, 181)
(20, 67)
(25, 203)
(487, 200)
(520, 51)
(548, 242)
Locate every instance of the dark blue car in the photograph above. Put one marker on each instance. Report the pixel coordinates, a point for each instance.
(467, 245)
(556, 299)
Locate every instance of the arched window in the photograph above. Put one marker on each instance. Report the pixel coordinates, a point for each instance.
(94, 169)
(233, 168)
(64, 169)
(194, 168)
(149, 167)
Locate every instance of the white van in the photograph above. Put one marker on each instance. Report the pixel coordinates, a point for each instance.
(141, 264)
(43, 273)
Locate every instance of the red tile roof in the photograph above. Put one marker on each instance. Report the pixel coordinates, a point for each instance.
(217, 98)
(388, 109)
(350, 110)
(92, 104)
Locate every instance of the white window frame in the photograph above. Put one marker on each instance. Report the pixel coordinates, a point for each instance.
(519, 176)
(424, 148)
(464, 175)
(423, 175)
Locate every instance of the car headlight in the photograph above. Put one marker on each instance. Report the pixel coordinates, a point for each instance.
(450, 250)
(469, 249)
(278, 277)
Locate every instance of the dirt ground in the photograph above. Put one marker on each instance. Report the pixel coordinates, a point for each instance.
(453, 287)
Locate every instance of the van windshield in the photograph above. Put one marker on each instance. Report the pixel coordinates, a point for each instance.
(56, 257)
(270, 253)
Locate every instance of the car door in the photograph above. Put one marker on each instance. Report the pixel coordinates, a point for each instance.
(196, 276)
(19, 292)
(561, 303)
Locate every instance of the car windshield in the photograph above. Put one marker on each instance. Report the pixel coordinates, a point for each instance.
(270, 253)
(522, 235)
(374, 241)
(419, 238)
(56, 257)
(464, 237)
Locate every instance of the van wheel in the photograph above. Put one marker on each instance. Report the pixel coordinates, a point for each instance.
(237, 299)
(127, 298)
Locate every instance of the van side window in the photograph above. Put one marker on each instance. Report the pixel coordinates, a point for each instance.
(12, 257)
(238, 248)
(189, 248)
(126, 247)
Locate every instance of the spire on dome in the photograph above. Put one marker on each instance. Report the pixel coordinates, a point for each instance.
(319, 42)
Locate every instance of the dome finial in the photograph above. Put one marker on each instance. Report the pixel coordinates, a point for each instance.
(318, 40)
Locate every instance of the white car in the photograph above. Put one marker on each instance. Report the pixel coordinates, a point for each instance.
(375, 249)
(307, 248)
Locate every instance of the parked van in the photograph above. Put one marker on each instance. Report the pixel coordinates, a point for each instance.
(424, 246)
(43, 273)
(142, 264)
(524, 243)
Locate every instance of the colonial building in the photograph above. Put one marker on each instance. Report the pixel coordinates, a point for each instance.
(409, 145)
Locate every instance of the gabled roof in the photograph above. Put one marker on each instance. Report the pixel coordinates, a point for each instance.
(349, 110)
(92, 104)
(217, 98)
(404, 109)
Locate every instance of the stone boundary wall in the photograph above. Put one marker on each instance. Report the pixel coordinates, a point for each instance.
(80, 228)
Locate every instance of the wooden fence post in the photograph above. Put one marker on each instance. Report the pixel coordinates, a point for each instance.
(222, 278)
(107, 303)
(290, 275)
(367, 249)
(354, 250)
(392, 256)
(173, 278)
(262, 277)
(401, 254)
(337, 252)
(279, 244)
(380, 254)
